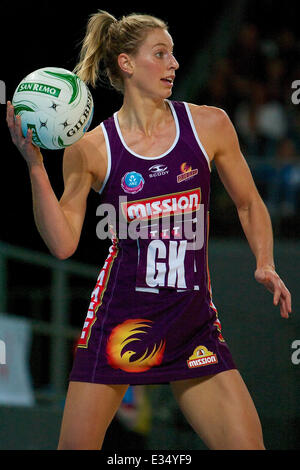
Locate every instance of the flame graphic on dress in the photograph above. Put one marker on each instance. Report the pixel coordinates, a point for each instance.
(119, 357)
(184, 168)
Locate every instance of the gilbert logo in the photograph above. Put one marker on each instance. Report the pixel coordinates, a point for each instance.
(201, 357)
(186, 172)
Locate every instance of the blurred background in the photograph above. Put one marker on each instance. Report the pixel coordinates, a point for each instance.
(240, 55)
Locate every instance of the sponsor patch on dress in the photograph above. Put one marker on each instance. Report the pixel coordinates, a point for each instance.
(186, 172)
(132, 182)
(201, 357)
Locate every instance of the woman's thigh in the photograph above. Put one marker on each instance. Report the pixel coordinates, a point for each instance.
(221, 411)
(89, 409)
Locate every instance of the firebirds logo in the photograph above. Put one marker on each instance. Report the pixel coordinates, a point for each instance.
(128, 350)
(162, 206)
(201, 357)
(187, 172)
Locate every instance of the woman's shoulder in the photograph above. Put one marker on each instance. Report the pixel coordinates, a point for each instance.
(91, 144)
(93, 138)
(213, 126)
(211, 119)
(213, 114)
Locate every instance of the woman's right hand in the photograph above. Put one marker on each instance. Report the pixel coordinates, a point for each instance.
(29, 151)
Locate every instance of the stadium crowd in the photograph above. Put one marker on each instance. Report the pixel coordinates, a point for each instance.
(258, 85)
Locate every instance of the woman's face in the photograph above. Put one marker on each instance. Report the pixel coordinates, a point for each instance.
(154, 65)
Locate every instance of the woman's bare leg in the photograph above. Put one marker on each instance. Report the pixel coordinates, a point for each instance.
(89, 409)
(221, 411)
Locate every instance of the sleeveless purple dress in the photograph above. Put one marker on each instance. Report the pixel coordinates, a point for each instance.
(151, 317)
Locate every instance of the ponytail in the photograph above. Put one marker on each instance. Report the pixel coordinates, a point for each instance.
(105, 39)
(92, 51)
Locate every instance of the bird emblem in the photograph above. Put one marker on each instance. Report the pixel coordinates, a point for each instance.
(126, 350)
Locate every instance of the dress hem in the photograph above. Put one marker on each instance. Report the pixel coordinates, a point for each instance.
(165, 379)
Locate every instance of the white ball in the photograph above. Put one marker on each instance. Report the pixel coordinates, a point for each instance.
(56, 104)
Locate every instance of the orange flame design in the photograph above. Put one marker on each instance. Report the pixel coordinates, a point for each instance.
(184, 168)
(124, 334)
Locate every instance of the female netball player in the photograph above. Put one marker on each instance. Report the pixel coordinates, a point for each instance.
(151, 318)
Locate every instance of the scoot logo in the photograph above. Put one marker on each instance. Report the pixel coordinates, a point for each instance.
(2, 353)
(2, 92)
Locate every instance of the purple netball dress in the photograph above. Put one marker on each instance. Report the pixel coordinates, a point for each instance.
(151, 317)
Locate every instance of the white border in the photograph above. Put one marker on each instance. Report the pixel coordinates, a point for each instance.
(108, 158)
(150, 158)
(196, 134)
(153, 290)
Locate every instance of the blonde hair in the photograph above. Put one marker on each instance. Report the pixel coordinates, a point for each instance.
(106, 38)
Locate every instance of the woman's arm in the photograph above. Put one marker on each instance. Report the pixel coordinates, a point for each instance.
(253, 214)
(59, 222)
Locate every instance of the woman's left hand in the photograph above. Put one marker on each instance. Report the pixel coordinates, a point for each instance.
(281, 295)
